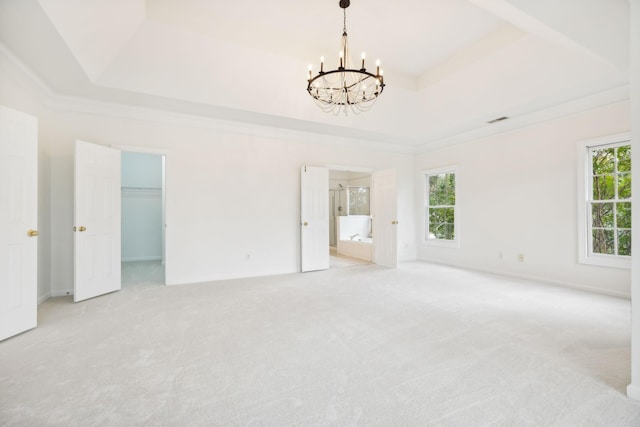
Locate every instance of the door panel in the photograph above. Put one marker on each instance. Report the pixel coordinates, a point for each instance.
(97, 221)
(18, 216)
(385, 223)
(314, 218)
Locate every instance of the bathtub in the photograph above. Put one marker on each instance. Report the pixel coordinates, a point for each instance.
(361, 248)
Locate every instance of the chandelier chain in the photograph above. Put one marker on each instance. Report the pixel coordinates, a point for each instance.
(344, 28)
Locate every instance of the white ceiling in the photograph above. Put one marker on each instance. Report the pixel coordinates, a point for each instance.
(450, 65)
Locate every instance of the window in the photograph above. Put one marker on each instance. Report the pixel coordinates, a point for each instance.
(440, 211)
(606, 229)
(358, 201)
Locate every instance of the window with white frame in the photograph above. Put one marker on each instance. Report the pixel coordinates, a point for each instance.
(440, 207)
(606, 229)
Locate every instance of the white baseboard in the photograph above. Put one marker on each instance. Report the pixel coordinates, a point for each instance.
(204, 279)
(633, 392)
(62, 293)
(580, 287)
(43, 298)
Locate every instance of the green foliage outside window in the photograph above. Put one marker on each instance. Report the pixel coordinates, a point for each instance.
(441, 206)
(611, 200)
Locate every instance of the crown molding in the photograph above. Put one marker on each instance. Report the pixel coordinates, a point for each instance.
(11, 64)
(576, 106)
(323, 134)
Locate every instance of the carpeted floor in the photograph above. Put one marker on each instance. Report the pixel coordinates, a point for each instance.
(421, 345)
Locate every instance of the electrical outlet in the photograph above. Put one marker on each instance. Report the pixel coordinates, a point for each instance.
(521, 257)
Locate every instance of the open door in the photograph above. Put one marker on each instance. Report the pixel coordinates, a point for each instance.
(18, 220)
(314, 218)
(97, 221)
(385, 223)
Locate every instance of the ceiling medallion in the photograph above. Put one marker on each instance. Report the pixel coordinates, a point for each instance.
(345, 88)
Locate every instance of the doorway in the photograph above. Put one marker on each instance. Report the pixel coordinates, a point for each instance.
(350, 221)
(143, 218)
(315, 216)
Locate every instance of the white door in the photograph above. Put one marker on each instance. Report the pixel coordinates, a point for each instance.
(97, 221)
(385, 222)
(18, 220)
(314, 218)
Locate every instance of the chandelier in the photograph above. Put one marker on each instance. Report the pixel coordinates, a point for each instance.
(346, 88)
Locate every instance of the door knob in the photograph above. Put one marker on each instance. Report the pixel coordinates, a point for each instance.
(394, 222)
(81, 228)
(32, 233)
(305, 223)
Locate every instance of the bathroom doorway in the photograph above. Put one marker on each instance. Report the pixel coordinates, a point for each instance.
(350, 223)
(143, 218)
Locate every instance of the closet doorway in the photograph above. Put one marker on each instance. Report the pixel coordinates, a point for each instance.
(143, 218)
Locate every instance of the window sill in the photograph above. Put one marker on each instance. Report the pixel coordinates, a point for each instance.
(442, 243)
(606, 261)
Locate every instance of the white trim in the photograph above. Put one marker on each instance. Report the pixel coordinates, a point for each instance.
(329, 135)
(61, 293)
(43, 298)
(216, 278)
(455, 243)
(633, 392)
(589, 102)
(584, 255)
(146, 150)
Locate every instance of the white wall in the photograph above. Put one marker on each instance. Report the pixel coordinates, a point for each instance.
(232, 189)
(633, 390)
(517, 195)
(141, 206)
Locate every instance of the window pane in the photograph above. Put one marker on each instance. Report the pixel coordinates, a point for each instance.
(624, 159)
(359, 201)
(602, 215)
(448, 232)
(441, 223)
(623, 215)
(603, 241)
(436, 216)
(624, 242)
(451, 189)
(604, 187)
(442, 190)
(433, 191)
(603, 161)
(624, 186)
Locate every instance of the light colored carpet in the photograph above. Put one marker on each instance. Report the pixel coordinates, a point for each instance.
(423, 345)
